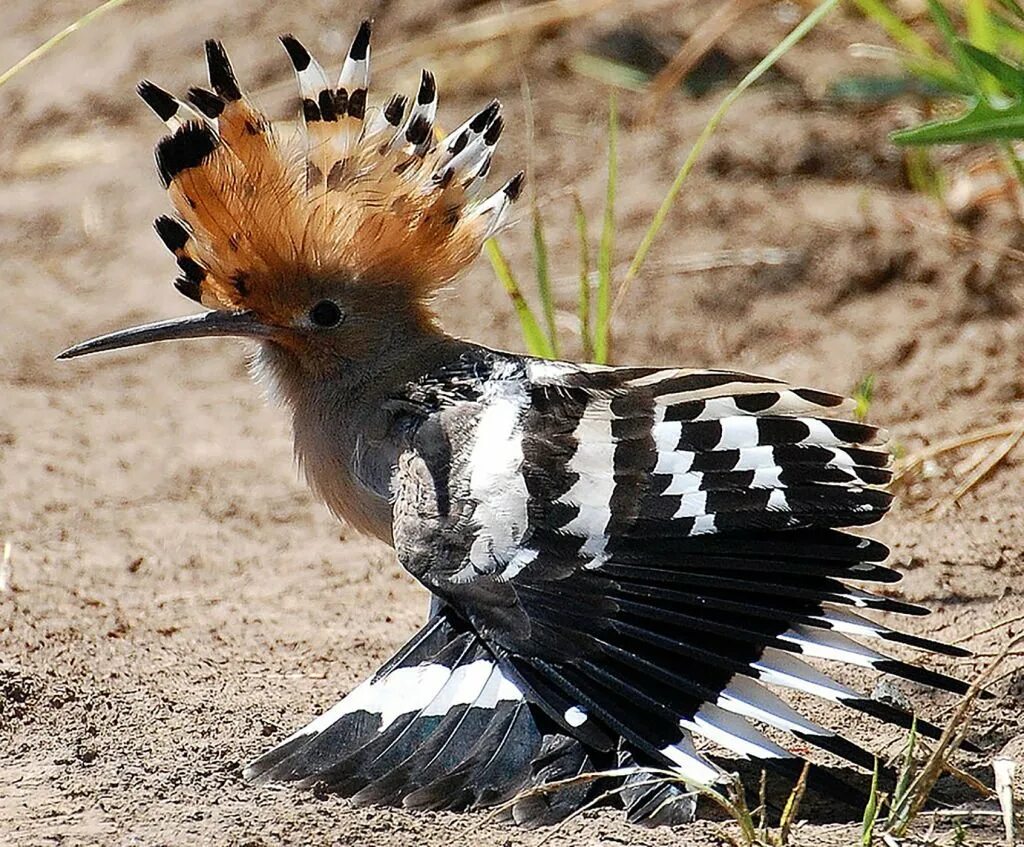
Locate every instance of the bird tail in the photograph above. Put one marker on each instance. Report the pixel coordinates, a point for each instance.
(444, 724)
(451, 723)
(696, 652)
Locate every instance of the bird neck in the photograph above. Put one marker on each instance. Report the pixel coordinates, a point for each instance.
(347, 438)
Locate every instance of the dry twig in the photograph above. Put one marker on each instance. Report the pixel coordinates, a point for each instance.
(915, 460)
(986, 467)
(902, 816)
(988, 629)
(52, 42)
(961, 236)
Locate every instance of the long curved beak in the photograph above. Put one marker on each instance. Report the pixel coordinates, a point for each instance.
(209, 324)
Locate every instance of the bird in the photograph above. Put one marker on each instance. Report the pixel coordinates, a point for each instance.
(620, 560)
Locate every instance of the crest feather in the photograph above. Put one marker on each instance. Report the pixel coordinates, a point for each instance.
(359, 193)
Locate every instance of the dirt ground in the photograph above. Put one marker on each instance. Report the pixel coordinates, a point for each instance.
(177, 601)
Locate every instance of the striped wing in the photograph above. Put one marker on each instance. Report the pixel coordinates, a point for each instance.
(445, 724)
(685, 453)
(654, 550)
(440, 726)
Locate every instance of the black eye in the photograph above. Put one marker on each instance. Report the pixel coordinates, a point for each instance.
(325, 314)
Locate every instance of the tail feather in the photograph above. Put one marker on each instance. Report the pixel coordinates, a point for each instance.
(441, 753)
(560, 758)
(440, 725)
(784, 670)
(755, 594)
(657, 639)
(450, 723)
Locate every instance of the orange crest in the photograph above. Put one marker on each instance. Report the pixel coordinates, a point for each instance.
(359, 193)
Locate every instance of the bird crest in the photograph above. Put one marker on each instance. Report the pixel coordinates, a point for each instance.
(354, 192)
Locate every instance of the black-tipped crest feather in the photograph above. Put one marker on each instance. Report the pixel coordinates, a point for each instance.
(361, 43)
(187, 147)
(171, 232)
(296, 52)
(210, 104)
(428, 88)
(222, 75)
(164, 104)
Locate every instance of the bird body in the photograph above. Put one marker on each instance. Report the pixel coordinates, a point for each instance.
(345, 440)
(619, 558)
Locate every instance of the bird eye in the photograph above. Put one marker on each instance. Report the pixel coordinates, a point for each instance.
(325, 314)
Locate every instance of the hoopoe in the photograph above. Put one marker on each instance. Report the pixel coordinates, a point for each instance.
(618, 558)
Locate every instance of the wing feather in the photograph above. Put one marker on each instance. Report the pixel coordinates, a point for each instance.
(682, 550)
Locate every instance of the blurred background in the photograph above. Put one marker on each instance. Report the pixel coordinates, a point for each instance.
(171, 598)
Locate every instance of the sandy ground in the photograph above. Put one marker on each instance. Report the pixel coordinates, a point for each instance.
(178, 601)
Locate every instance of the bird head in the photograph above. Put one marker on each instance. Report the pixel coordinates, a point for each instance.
(324, 238)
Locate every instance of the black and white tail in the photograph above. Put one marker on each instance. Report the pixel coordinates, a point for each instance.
(442, 725)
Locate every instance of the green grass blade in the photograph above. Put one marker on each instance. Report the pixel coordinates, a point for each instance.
(607, 245)
(543, 269)
(922, 174)
(944, 24)
(583, 304)
(980, 24)
(900, 806)
(536, 342)
(52, 42)
(780, 50)
(867, 826)
(983, 122)
(1010, 35)
(1008, 76)
(608, 72)
(981, 35)
(863, 396)
(895, 27)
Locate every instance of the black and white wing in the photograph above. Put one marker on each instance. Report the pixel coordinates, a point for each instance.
(626, 557)
(652, 551)
(439, 726)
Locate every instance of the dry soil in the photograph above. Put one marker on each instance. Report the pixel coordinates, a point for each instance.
(177, 601)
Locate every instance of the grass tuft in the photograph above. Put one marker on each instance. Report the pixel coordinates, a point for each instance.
(598, 336)
(863, 396)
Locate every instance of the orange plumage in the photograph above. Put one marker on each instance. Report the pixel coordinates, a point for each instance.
(358, 194)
